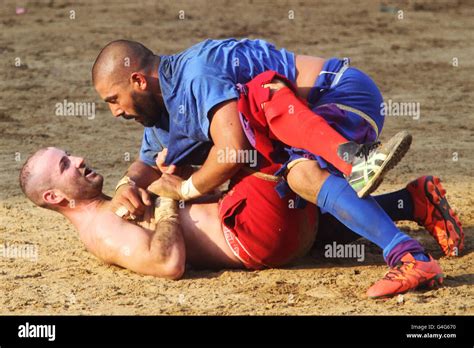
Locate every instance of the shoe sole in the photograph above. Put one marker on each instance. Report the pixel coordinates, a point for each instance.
(439, 201)
(393, 158)
(437, 280)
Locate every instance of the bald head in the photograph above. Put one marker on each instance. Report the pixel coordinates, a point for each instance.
(118, 59)
(51, 178)
(33, 182)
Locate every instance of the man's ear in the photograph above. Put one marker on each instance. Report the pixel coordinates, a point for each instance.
(53, 197)
(138, 81)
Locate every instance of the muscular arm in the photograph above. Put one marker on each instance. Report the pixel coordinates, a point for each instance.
(160, 253)
(227, 135)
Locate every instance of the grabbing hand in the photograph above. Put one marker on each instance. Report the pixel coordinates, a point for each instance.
(132, 198)
(160, 163)
(167, 186)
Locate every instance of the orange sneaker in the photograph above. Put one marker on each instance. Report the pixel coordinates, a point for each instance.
(432, 210)
(407, 276)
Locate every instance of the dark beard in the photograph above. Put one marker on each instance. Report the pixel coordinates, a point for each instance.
(147, 107)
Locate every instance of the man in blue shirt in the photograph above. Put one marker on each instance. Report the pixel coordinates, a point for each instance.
(176, 97)
(188, 104)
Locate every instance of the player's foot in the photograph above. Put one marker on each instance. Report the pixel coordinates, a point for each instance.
(408, 276)
(432, 211)
(370, 163)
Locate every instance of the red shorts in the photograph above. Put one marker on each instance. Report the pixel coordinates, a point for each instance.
(262, 229)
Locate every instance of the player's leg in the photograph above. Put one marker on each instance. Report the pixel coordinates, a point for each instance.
(365, 217)
(343, 124)
(422, 201)
(364, 165)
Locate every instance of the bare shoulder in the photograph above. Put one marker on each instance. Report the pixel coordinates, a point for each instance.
(107, 235)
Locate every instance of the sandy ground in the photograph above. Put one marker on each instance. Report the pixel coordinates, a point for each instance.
(410, 58)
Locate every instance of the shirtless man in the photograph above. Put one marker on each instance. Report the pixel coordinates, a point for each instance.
(55, 180)
(165, 238)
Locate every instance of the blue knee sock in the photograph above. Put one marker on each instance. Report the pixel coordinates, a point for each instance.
(398, 205)
(366, 218)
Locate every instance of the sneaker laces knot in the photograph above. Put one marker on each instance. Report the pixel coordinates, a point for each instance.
(365, 149)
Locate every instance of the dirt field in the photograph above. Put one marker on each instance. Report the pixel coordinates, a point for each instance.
(425, 57)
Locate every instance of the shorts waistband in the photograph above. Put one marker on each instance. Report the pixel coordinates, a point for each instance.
(260, 175)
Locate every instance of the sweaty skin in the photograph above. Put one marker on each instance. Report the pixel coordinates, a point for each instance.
(119, 242)
(124, 243)
(144, 246)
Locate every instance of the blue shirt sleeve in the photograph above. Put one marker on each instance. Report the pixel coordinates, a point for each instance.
(207, 90)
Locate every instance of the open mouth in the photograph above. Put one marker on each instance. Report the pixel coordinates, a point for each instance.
(87, 172)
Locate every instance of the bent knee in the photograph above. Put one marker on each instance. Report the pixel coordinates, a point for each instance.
(306, 179)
